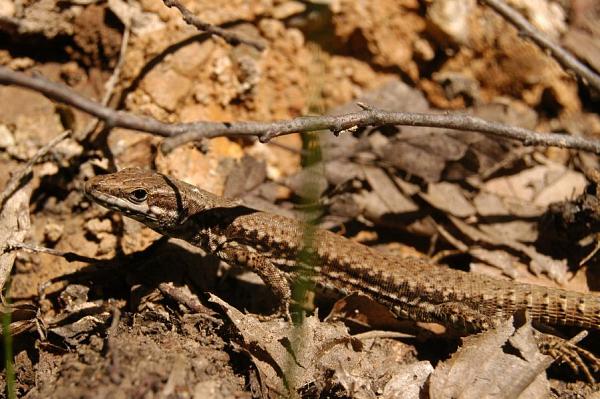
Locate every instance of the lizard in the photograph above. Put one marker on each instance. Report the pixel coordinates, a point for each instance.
(269, 244)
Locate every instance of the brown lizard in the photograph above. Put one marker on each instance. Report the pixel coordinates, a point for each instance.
(270, 245)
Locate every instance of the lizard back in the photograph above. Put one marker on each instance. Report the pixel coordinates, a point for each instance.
(412, 287)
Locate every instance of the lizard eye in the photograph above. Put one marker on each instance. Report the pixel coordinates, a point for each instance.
(138, 195)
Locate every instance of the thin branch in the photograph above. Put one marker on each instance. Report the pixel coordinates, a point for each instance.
(184, 296)
(177, 293)
(373, 117)
(230, 37)
(64, 94)
(68, 256)
(184, 132)
(16, 181)
(14, 211)
(381, 334)
(528, 30)
(591, 254)
(109, 86)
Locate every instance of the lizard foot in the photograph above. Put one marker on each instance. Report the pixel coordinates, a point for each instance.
(577, 358)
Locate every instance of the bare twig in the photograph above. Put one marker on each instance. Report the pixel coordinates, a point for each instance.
(111, 337)
(185, 297)
(591, 254)
(64, 94)
(381, 334)
(177, 293)
(528, 30)
(15, 224)
(14, 210)
(109, 86)
(458, 244)
(68, 256)
(230, 37)
(186, 132)
(111, 118)
(16, 180)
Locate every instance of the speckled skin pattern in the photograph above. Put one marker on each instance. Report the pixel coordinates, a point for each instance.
(270, 245)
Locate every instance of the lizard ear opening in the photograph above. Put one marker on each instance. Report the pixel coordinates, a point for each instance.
(138, 195)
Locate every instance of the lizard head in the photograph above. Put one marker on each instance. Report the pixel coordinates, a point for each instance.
(160, 202)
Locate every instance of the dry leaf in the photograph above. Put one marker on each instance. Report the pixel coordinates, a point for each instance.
(14, 227)
(483, 368)
(316, 356)
(540, 185)
(449, 198)
(540, 263)
(387, 191)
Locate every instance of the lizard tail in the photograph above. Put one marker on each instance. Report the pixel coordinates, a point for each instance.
(554, 306)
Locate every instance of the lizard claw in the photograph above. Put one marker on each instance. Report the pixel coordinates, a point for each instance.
(577, 358)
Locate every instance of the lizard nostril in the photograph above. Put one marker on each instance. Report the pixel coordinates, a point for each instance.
(91, 186)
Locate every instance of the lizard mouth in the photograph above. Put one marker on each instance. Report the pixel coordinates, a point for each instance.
(134, 211)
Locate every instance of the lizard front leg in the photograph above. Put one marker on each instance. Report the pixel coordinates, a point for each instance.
(239, 254)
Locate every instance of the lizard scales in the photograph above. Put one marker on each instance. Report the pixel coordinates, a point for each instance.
(270, 245)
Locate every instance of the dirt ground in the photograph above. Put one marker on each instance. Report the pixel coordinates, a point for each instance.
(157, 318)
